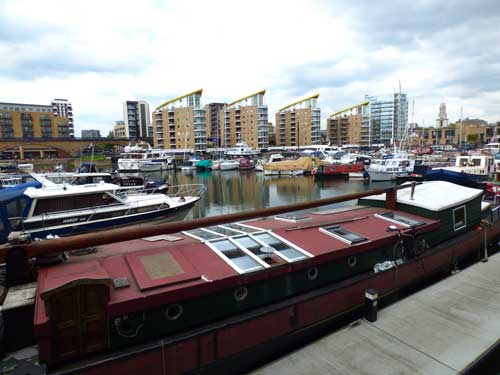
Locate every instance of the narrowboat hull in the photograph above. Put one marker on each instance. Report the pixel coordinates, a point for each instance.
(240, 343)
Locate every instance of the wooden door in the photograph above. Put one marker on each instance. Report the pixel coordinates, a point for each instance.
(78, 317)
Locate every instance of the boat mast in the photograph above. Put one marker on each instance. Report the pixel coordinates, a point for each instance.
(460, 134)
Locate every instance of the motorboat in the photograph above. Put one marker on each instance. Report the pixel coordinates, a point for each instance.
(400, 165)
(64, 209)
(225, 164)
(149, 159)
(468, 170)
(189, 164)
(204, 165)
(246, 164)
(274, 158)
(241, 150)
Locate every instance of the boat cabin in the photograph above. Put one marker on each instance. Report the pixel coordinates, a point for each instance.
(479, 164)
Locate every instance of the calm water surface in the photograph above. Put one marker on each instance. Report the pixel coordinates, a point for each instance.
(235, 191)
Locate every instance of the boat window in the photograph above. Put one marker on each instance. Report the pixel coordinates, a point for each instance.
(283, 249)
(242, 228)
(57, 204)
(476, 162)
(202, 235)
(251, 245)
(459, 218)
(343, 234)
(400, 219)
(224, 231)
(237, 258)
(16, 207)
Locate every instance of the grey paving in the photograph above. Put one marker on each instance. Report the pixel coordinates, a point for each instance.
(440, 330)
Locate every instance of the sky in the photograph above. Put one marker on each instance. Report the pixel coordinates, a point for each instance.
(100, 53)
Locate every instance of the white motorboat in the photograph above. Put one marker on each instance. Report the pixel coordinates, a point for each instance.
(241, 150)
(65, 209)
(272, 159)
(137, 159)
(225, 164)
(190, 164)
(400, 166)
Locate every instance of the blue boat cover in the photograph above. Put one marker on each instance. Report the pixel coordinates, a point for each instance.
(17, 191)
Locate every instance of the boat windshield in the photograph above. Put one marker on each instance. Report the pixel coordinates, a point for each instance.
(80, 202)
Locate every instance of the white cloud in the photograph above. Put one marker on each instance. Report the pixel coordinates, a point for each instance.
(100, 53)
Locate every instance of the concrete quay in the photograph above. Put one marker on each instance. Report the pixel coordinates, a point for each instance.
(444, 329)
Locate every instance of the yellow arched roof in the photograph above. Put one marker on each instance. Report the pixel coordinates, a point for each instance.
(179, 98)
(262, 92)
(315, 96)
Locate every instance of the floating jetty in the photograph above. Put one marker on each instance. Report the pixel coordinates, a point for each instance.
(448, 328)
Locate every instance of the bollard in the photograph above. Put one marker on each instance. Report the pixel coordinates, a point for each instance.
(485, 258)
(371, 305)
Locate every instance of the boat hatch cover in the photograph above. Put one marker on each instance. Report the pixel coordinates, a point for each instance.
(248, 249)
(160, 268)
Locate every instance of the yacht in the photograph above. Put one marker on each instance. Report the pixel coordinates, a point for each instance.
(225, 164)
(60, 210)
(272, 159)
(399, 166)
(137, 159)
(242, 149)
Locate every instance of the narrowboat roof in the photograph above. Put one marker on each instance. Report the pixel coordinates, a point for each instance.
(433, 195)
(152, 272)
(65, 190)
(17, 191)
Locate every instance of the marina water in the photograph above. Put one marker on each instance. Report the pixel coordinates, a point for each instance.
(239, 191)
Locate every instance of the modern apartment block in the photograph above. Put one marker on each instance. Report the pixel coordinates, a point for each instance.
(180, 123)
(344, 129)
(384, 119)
(245, 120)
(214, 131)
(298, 124)
(29, 121)
(63, 108)
(91, 134)
(119, 130)
(137, 119)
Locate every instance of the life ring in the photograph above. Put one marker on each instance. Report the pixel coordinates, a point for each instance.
(314, 171)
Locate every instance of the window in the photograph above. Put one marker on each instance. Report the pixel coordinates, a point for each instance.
(284, 249)
(342, 234)
(459, 218)
(46, 206)
(399, 219)
(235, 256)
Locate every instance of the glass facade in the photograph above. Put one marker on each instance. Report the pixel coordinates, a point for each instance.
(384, 119)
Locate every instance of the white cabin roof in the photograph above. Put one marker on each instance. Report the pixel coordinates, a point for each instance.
(61, 190)
(434, 195)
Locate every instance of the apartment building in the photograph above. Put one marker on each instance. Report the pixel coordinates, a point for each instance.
(454, 135)
(63, 108)
(137, 120)
(384, 119)
(214, 130)
(29, 121)
(344, 129)
(119, 130)
(298, 124)
(180, 123)
(245, 120)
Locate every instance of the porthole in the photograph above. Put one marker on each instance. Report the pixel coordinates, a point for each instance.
(241, 293)
(312, 273)
(173, 312)
(351, 261)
